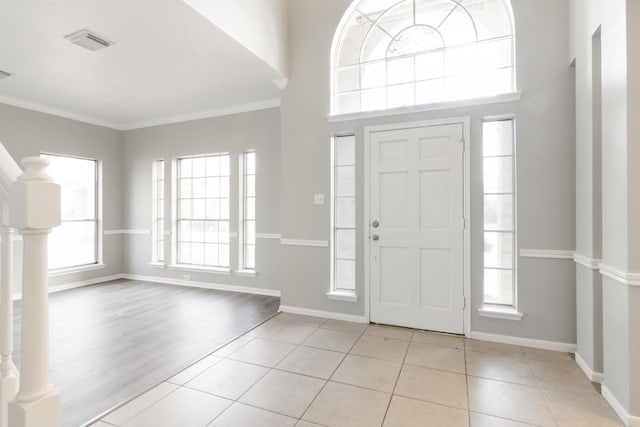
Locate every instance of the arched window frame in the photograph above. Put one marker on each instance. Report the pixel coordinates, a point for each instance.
(337, 44)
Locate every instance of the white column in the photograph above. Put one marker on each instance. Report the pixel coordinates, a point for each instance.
(35, 210)
(8, 372)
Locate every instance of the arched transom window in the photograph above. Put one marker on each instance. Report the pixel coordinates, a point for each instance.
(398, 53)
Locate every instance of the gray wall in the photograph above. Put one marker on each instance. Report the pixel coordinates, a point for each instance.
(259, 130)
(546, 172)
(28, 133)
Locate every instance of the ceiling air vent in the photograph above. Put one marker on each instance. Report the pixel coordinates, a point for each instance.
(88, 40)
(4, 74)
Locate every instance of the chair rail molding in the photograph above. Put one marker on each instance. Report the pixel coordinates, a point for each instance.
(585, 261)
(547, 254)
(625, 278)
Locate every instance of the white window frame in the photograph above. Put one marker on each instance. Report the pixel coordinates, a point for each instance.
(176, 233)
(335, 292)
(492, 309)
(158, 215)
(243, 242)
(98, 245)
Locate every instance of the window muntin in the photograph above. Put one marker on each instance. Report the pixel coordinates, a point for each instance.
(499, 212)
(343, 246)
(248, 210)
(157, 213)
(75, 242)
(202, 219)
(391, 53)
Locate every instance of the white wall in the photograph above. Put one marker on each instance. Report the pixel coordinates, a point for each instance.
(546, 158)
(258, 25)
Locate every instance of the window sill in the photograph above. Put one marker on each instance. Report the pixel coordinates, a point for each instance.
(246, 273)
(186, 267)
(500, 313)
(158, 265)
(505, 97)
(73, 270)
(343, 296)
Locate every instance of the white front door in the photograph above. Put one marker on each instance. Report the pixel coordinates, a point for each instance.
(416, 229)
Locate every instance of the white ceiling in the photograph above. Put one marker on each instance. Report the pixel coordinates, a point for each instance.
(168, 63)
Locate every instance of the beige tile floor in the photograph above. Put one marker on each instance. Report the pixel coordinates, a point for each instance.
(302, 371)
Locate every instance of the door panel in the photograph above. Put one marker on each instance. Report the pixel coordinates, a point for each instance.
(416, 195)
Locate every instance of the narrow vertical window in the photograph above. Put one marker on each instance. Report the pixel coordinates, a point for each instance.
(157, 212)
(343, 246)
(499, 213)
(202, 217)
(75, 242)
(248, 211)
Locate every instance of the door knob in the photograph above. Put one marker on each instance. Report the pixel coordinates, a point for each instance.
(375, 237)
(375, 224)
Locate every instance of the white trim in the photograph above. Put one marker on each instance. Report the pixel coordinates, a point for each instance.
(525, 342)
(343, 296)
(246, 273)
(268, 236)
(628, 419)
(74, 270)
(203, 285)
(591, 263)
(115, 232)
(300, 242)
(233, 235)
(203, 269)
(506, 97)
(466, 134)
(226, 111)
(629, 279)
(158, 265)
(546, 254)
(500, 313)
(596, 377)
(33, 106)
(324, 314)
(75, 285)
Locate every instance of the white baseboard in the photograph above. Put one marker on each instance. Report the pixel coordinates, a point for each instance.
(325, 314)
(596, 377)
(627, 419)
(525, 342)
(204, 285)
(75, 285)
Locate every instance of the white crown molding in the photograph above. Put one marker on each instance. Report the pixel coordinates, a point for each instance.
(227, 111)
(40, 108)
(585, 261)
(595, 377)
(546, 254)
(525, 342)
(236, 109)
(307, 243)
(323, 314)
(628, 419)
(629, 279)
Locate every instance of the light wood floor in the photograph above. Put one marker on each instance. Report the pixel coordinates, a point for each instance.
(111, 342)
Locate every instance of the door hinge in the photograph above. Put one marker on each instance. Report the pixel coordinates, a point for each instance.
(464, 223)
(464, 145)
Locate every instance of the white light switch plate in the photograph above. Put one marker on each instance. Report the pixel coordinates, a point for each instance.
(318, 199)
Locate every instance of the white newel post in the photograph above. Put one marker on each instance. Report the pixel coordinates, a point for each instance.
(8, 372)
(35, 210)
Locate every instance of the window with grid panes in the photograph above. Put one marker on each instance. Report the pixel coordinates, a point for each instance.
(75, 242)
(248, 210)
(157, 214)
(391, 53)
(344, 214)
(203, 211)
(499, 212)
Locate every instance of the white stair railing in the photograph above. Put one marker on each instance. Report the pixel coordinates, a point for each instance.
(30, 204)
